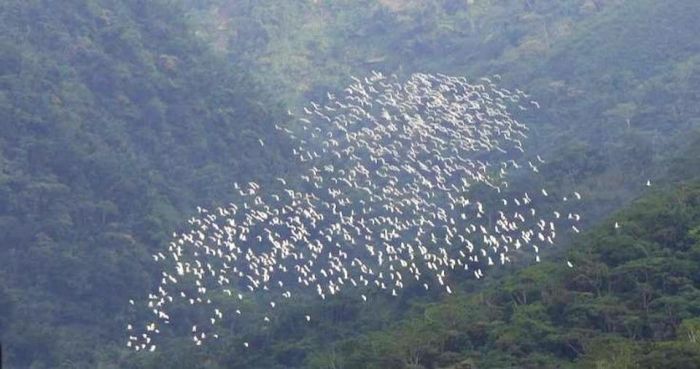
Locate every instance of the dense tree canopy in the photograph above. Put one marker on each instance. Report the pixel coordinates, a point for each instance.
(115, 123)
(119, 117)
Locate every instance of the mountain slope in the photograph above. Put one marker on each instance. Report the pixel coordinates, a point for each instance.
(117, 119)
(115, 123)
(631, 300)
(615, 79)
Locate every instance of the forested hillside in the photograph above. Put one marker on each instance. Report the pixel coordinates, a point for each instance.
(631, 300)
(115, 124)
(615, 79)
(118, 118)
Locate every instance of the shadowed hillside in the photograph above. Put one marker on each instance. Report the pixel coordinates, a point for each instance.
(115, 124)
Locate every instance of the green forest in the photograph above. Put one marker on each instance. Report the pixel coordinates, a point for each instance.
(119, 118)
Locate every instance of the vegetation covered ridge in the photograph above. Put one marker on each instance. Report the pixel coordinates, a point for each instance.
(115, 123)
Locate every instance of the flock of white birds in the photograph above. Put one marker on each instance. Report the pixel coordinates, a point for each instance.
(389, 199)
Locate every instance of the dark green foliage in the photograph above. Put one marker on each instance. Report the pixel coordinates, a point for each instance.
(631, 301)
(115, 123)
(118, 117)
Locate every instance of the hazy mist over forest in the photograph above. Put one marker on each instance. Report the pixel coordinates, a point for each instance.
(350, 184)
